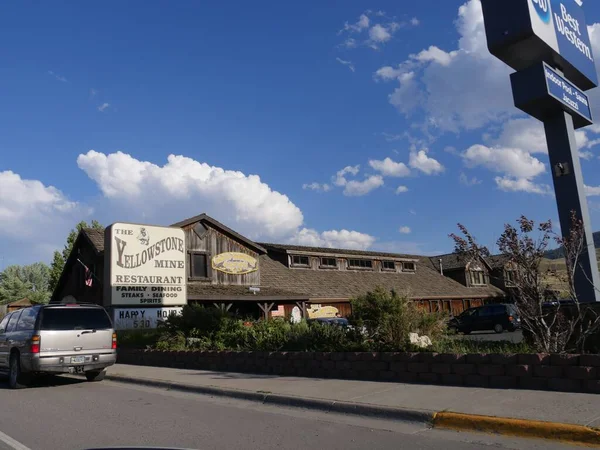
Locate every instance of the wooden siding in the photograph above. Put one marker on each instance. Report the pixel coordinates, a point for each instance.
(214, 243)
(75, 281)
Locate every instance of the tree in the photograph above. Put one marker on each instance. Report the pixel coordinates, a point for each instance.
(550, 325)
(59, 259)
(31, 282)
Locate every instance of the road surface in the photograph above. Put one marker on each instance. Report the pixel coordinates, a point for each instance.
(515, 337)
(69, 413)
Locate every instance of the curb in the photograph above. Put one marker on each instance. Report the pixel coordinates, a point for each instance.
(267, 398)
(567, 433)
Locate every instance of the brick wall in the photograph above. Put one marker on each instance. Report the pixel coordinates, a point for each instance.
(568, 373)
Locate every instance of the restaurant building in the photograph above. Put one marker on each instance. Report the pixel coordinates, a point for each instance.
(221, 268)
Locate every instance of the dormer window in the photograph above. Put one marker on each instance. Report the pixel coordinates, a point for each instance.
(408, 267)
(300, 261)
(388, 265)
(360, 264)
(329, 263)
(477, 275)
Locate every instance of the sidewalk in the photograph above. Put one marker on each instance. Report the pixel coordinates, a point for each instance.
(410, 402)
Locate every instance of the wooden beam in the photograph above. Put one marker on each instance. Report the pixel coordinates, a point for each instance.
(266, 308)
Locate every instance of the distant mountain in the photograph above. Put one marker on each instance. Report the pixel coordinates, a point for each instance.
(558, 252)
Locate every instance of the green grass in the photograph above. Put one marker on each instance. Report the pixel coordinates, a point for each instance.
(453, 344)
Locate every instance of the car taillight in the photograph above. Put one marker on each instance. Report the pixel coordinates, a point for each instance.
(35, 344)
(114, 341)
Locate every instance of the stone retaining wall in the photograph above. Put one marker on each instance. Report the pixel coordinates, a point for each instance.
(569, 373)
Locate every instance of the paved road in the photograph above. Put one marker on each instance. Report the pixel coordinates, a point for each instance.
(515, 337)
(68, 413)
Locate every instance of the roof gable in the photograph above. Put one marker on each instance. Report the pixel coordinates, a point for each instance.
(222, 228)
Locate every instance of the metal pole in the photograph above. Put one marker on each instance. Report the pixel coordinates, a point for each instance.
(570, 196)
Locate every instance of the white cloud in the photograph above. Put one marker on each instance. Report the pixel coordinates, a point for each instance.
(404, 230)
(57, 76)
(316, 187)
(93, 92)
(415, 22)
(592, 191)
(587, 155)
(184, 187)
(401, 190)
(390, 168)
(141, 191)
(522, 185)
(340, 177)
(387, 73)
(346, 63)
(465, 180)
(379, 34)
(528, 134)
(511, 161)
(361, 24)
(449, 85)
(103, 107)
(333, 239)
(420, 161)
(355, 188)
(34, 218)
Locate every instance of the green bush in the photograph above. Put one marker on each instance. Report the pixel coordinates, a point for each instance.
(389, 319)
(137, 338)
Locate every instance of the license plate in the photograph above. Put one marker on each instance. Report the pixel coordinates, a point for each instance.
(77, 359)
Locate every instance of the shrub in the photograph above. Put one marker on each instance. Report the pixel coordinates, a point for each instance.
(389, 318)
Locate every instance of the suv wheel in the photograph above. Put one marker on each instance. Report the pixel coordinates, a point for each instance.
(95, 375)
(16, 379)
(498, 328)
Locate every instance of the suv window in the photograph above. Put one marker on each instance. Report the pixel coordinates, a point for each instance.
(74, 319)
(27, 320)
(4, 323)
(13, 321)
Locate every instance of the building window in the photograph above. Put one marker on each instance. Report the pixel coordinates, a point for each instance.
(298, 260)
(329, 262)
(198, 266)
(388, 265)
(509, 277)
(408, 267)
(477, 278)
(360, 264)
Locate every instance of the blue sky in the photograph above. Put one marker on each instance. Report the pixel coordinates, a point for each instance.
(376, 124)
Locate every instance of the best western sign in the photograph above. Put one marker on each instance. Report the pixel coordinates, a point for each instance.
(146, 265)
(523, 32)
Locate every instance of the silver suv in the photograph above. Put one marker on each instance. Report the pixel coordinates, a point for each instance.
(50, 339)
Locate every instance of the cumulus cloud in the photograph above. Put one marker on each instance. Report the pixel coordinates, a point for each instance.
(103, 107)
(404, 230)
(420, 161)
(592, 191)
(361, 24)
(511, 161)
(340, 177)
(390, 168)
(379, 34)
(522, 185)
(184, 187)
(449, 85)
(401, 189)
(333, 239)
(466, 181)
(34, 218)
(318, 187)
(355, 188)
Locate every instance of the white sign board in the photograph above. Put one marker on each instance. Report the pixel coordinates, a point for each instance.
(141, 318)
(146, 265)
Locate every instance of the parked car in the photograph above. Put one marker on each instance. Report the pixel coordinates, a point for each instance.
(51, 339)
(498, 317)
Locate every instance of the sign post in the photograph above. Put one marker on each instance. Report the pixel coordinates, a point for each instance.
(548, 43)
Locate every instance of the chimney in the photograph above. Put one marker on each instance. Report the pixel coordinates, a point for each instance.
(441, 268)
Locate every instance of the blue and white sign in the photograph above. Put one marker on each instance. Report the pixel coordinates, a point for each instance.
(561, 24)
(525, 32)
(566, 93)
